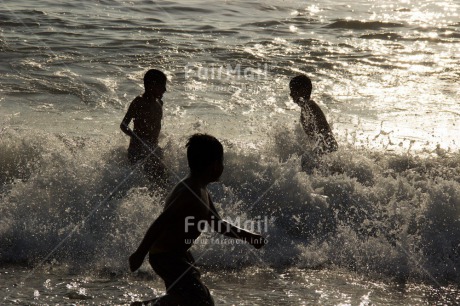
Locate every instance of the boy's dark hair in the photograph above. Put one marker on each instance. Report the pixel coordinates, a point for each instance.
(202, 150)
(154, 76)
(301, 82)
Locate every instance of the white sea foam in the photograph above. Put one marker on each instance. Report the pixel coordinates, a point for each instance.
(75, 201)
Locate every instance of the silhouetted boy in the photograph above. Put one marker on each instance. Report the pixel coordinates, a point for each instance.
(312, 117)
(147, 111)
(187, 207)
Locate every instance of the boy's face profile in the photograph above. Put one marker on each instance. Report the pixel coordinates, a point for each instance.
(295, 94)
(298, 92)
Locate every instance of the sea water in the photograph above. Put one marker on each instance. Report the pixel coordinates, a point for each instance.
(376, 223)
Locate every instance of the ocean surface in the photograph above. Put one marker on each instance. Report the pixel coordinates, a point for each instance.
(376, 223)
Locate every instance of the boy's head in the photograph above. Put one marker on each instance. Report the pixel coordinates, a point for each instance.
(155, 82)
(300, 87)
(205, 153)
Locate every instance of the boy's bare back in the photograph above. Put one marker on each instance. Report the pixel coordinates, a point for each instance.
(316, 127)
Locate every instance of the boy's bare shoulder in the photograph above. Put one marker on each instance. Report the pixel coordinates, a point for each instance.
(184, 193)
(313, 105)
(137, 101)
(315, 108)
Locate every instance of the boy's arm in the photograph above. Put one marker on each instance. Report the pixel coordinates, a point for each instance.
(137, 258)
(229, 230)
(157, 227)
(124, 126)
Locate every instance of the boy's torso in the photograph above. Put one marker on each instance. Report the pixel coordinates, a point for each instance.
(147, 119)
(191, 211)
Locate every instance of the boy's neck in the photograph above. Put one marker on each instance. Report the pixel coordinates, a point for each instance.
(201, 180)
(150, 96)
